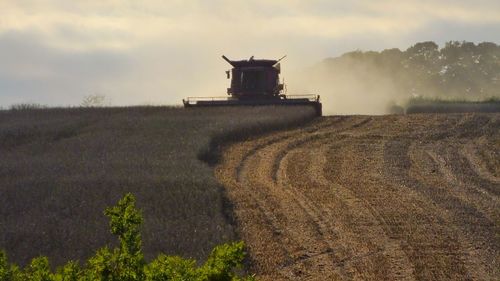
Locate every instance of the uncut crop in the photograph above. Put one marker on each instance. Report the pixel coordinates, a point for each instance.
(434, 105)
(59, 168)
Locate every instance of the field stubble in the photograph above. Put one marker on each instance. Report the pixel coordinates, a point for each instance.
(401, 197)
(59, 168)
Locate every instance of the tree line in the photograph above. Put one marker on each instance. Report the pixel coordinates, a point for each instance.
(458, 70)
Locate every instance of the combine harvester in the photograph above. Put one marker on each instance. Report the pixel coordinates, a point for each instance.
(255, 82)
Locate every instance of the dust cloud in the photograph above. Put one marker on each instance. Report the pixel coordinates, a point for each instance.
(351, 88)
(383, 82)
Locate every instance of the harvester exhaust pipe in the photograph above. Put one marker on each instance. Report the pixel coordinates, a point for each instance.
(228, 60)
(280, 59)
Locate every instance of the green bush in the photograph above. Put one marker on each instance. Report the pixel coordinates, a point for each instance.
(127, 263)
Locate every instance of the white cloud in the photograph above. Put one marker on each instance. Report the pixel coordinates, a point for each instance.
(174, 46)
(126, 24)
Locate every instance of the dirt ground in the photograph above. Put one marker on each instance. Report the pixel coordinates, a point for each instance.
(401, 197)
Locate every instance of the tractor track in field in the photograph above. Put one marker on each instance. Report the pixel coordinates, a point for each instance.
(412, 197)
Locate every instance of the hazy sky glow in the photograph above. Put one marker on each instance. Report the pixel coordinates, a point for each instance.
(156, 52)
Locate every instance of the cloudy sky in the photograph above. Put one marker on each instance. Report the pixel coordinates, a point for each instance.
(56, 52)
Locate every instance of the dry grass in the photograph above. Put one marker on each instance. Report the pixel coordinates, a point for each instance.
(59, 168)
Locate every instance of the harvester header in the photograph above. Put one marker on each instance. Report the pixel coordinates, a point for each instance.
(255, 82)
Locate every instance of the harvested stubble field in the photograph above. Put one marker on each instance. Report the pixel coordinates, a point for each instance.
(401, 197)
(60, 168)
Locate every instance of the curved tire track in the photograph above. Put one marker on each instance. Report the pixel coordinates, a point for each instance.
(370, 198)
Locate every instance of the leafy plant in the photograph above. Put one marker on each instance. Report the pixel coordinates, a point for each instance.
(5, 271)
(127, 263)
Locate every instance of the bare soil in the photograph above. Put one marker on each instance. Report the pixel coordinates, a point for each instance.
(401, 197)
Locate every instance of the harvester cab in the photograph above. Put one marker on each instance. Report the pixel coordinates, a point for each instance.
(255, 82)
(254, 79)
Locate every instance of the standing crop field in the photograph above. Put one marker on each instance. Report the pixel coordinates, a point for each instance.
(60, 168)
(399, 197)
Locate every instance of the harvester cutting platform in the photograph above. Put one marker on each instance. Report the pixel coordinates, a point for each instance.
(255, 82)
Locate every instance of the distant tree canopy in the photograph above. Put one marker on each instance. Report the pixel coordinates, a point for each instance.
(458, 70)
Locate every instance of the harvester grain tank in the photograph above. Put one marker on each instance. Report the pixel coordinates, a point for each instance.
(255, 82)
